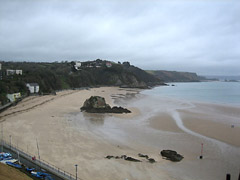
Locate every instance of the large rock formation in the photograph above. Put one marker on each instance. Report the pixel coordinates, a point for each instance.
(97, 104)
(171, 155)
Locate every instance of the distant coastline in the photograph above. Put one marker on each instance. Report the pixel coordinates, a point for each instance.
(224, 78)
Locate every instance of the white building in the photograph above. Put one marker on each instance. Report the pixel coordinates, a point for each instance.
(18, 72)
(0, 66)
(77, 65)
(13, 97)
(12, 72)
(33, 87)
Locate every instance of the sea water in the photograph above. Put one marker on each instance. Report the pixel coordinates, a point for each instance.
(211, 92)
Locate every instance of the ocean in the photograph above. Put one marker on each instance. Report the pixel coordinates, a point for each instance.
(211, 92)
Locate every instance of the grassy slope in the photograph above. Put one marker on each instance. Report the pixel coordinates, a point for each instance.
(9, 173)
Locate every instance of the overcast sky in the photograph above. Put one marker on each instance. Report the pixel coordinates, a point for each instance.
(200, 36)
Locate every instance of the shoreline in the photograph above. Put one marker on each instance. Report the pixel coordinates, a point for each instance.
(67, 136)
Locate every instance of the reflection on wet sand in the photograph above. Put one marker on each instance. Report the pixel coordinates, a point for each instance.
(94, 118)
(123, 99)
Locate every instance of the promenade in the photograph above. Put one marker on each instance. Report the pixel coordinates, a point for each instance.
(39, 165)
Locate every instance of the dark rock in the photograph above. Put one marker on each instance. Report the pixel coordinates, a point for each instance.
(127, 158)
(171, 155)
(131, 159)
(109, 157)
(143, 155)
(119, 109)
(97, 104)
(151, 160)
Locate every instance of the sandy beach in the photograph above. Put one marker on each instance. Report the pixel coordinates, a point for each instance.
(67, 136)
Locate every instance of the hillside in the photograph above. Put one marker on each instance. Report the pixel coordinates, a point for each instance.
(67, 75)
(174, 76)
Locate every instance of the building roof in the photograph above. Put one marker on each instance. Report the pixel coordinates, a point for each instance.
(33, 84)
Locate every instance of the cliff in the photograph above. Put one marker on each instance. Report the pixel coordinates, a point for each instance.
(174, 76)
(66, 75)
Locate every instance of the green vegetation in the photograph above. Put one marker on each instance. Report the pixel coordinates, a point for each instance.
(49, 76)
(58, 76)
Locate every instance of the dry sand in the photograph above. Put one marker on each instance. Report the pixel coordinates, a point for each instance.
(67, 137)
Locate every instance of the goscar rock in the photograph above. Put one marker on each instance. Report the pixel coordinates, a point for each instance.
(97, 104)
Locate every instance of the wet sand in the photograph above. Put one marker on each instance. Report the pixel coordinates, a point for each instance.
(164, 122)
(208, 126)
(67, 136)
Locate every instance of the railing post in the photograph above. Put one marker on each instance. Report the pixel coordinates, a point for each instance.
(2, 135)
(76, 170)
(228, 177)
(10, 136)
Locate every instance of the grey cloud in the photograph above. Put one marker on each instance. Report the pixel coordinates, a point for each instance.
(179, 35)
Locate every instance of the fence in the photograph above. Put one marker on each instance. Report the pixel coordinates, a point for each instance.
(41, 163)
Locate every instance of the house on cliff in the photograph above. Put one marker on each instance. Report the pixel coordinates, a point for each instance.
(108, 64)
(13, 97)
(77, 65)
(33, 87)
(13, 72)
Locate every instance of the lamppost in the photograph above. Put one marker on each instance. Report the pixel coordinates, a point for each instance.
(38, 150)
(10, 136)
(2, 136)
(76, 170)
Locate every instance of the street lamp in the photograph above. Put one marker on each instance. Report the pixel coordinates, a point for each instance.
(10, 136)
(76, 170)
(2, 136)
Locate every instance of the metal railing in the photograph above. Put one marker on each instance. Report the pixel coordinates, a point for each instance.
(41, 163)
